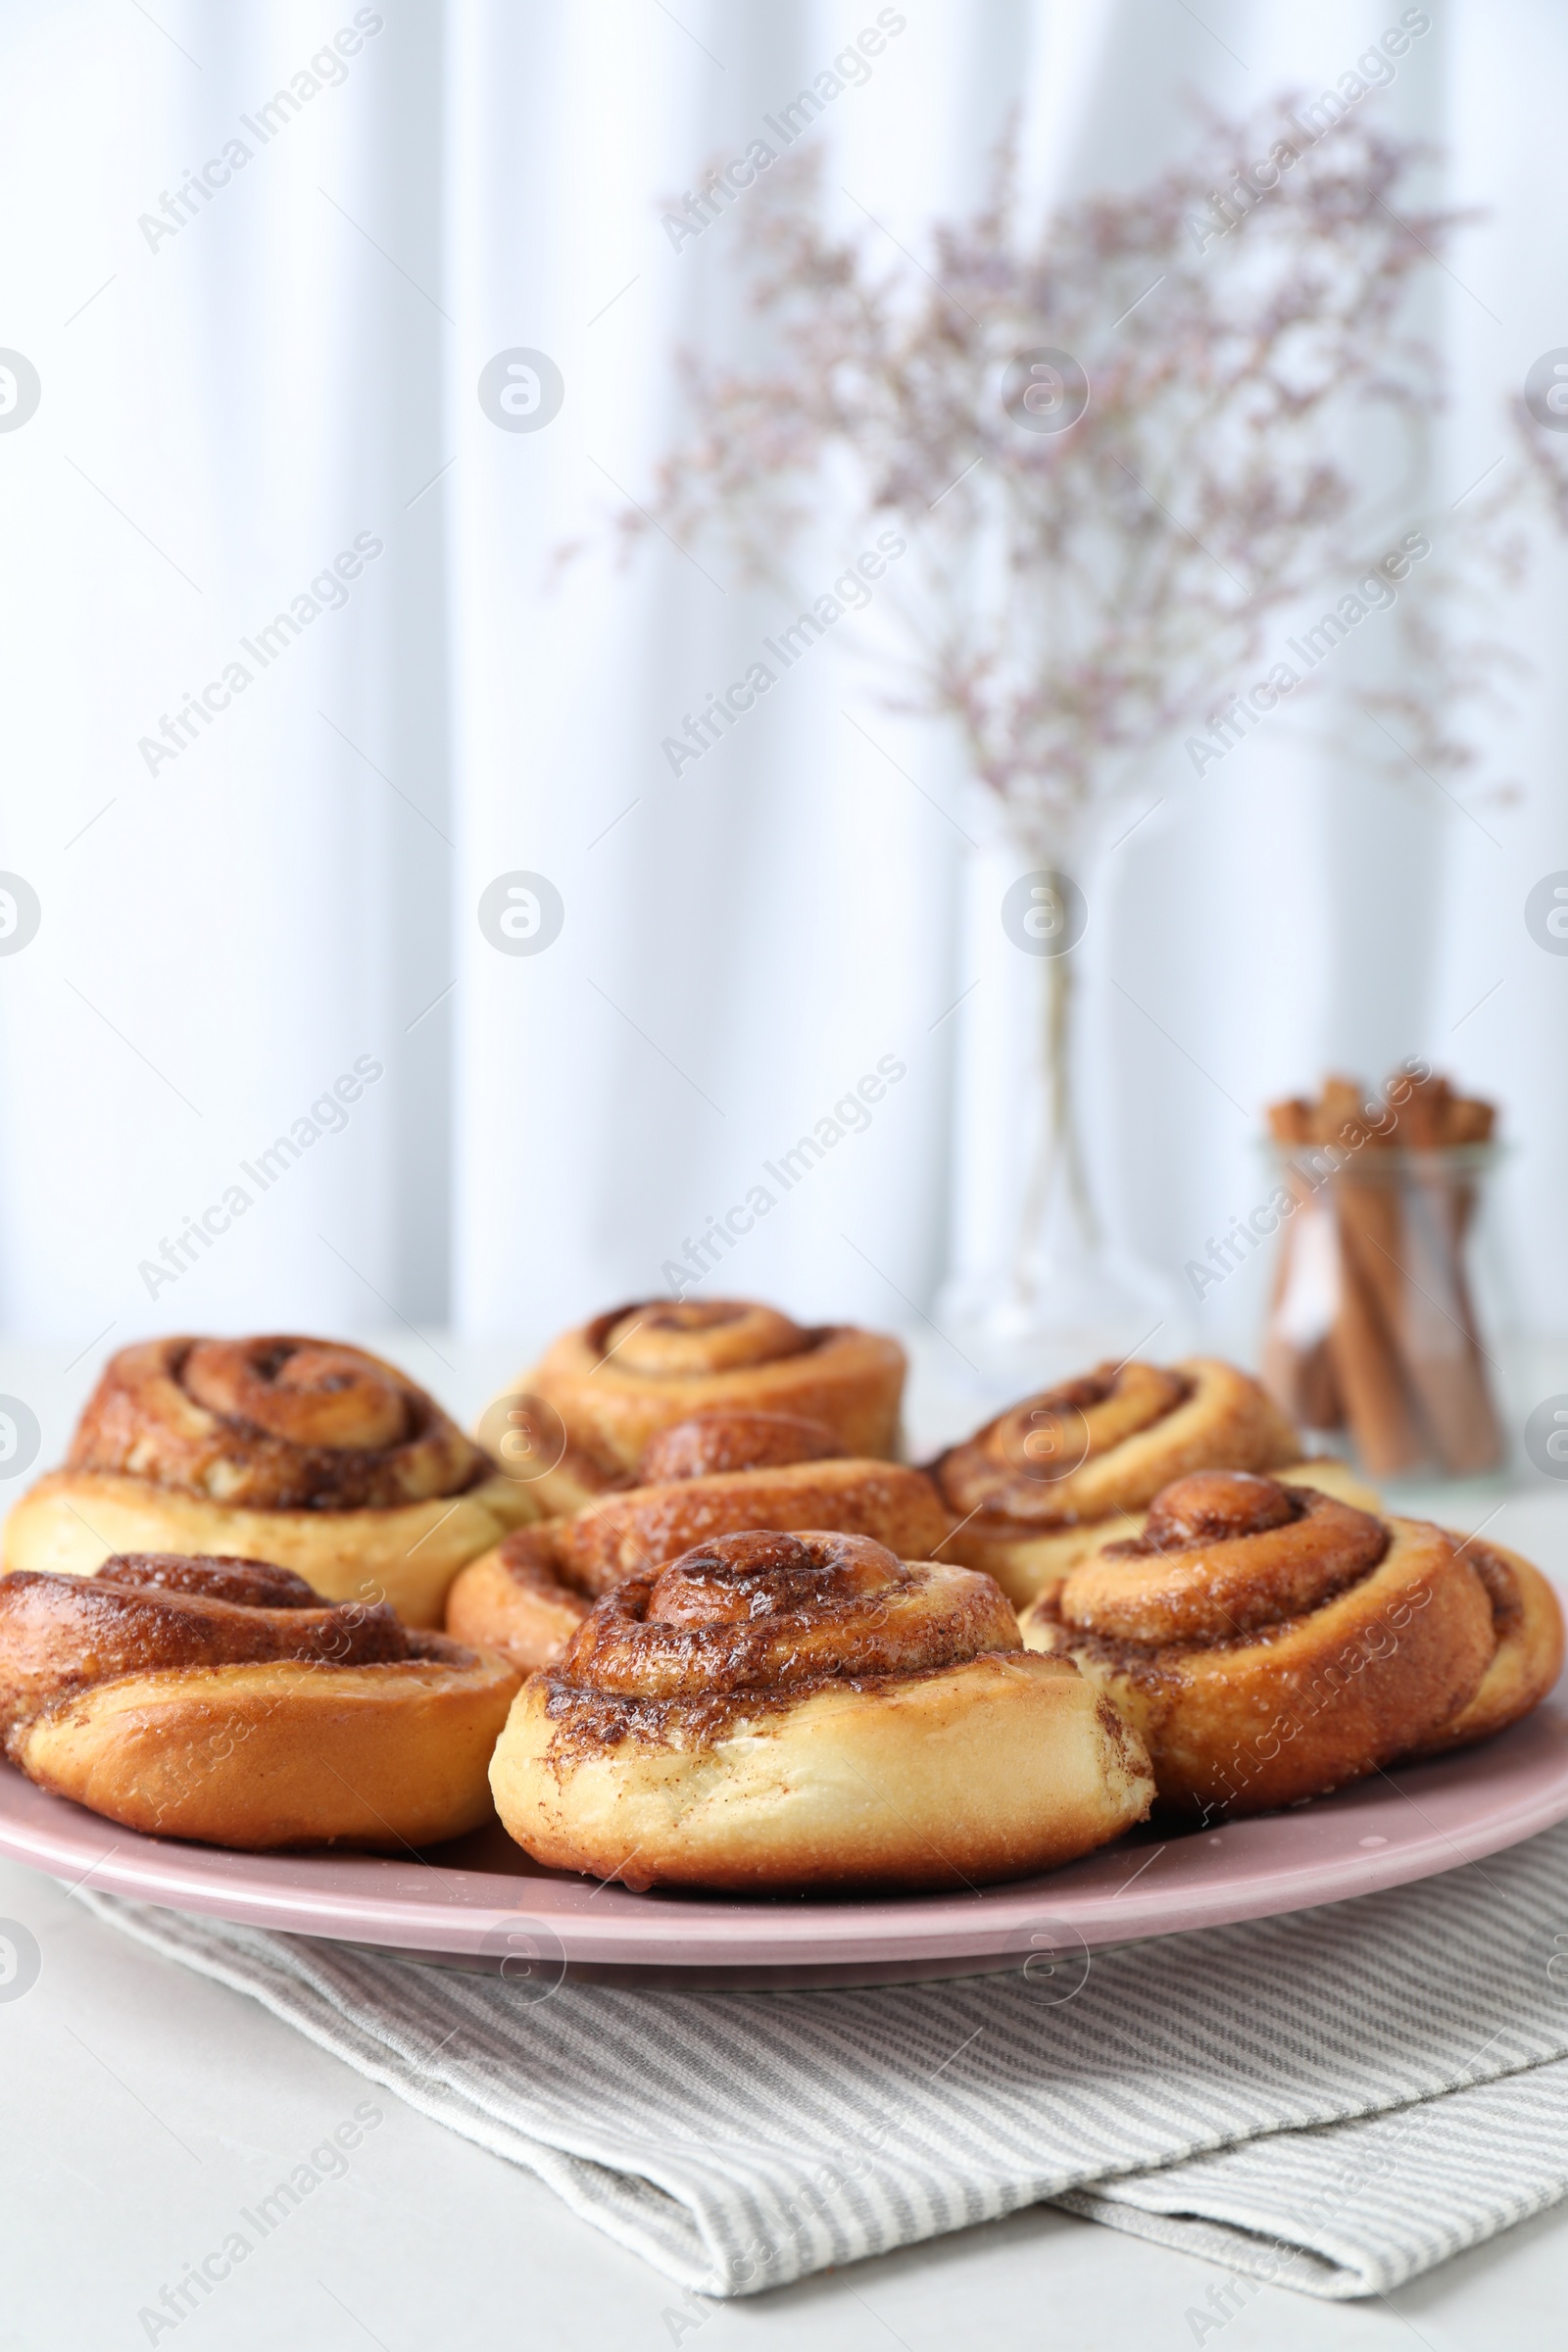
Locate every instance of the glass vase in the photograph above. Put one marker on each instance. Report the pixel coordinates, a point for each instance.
(1054, 1292)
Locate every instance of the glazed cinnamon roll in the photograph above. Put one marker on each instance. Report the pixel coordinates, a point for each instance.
(1270, 1642)
(619, 1380)
(307, 1453)
(772, 1713)
(716, 1473)
(1057, 1475)
(223, 1701)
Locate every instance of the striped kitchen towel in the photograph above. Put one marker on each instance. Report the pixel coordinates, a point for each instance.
(1335, 2100)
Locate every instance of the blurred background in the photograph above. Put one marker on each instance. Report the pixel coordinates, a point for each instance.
(262, 391)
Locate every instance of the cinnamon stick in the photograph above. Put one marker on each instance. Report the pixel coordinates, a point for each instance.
(1367, 1361)
(1368, 1369)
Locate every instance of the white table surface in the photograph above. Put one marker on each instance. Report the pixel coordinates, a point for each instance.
(144, 2107)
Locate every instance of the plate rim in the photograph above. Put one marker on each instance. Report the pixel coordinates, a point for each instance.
(370, 1901)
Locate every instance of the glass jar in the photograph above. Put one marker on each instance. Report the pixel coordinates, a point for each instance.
(1372, 1328)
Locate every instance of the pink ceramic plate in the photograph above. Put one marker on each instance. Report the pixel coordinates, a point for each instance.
(481, 1904)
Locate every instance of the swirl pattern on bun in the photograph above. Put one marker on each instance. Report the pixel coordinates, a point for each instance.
(1065, 1471)
(773, 1712)
(1270, 1641)
(618, 1381)
(222, 1700)
(308, 1452)
(1527, 1626)
(716, 1473)
(273, 1424)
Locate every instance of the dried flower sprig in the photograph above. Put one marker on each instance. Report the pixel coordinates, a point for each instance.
(1086, 593)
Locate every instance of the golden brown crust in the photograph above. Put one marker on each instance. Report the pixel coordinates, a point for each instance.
(1045, 1483)
(772, 1712)
(1270, 1646)
(1526, 1623)
(565, 1477)
(149, 1614)
(525, 1598)
(750, 1618)
(1222, 1555)
(736, 1439)
(72, 1521)
(1061, 1455)
(273, 1424)
(629, 1533)
(220, 1700)
(528, 1440)
(1031, 1568)
(618, 1381)
(307, 1453)
(1109, 1442)
(520, 1599)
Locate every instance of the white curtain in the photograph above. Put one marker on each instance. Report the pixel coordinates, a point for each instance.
(292, 898)
(234, 396)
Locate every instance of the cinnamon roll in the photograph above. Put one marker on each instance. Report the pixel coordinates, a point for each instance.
(223, 1701)
(307, 1453)
(619, 1380)
(1057, 1475)
(1527, 1626)
(1270, 1641)
(717, 1474)
(774, 1713)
